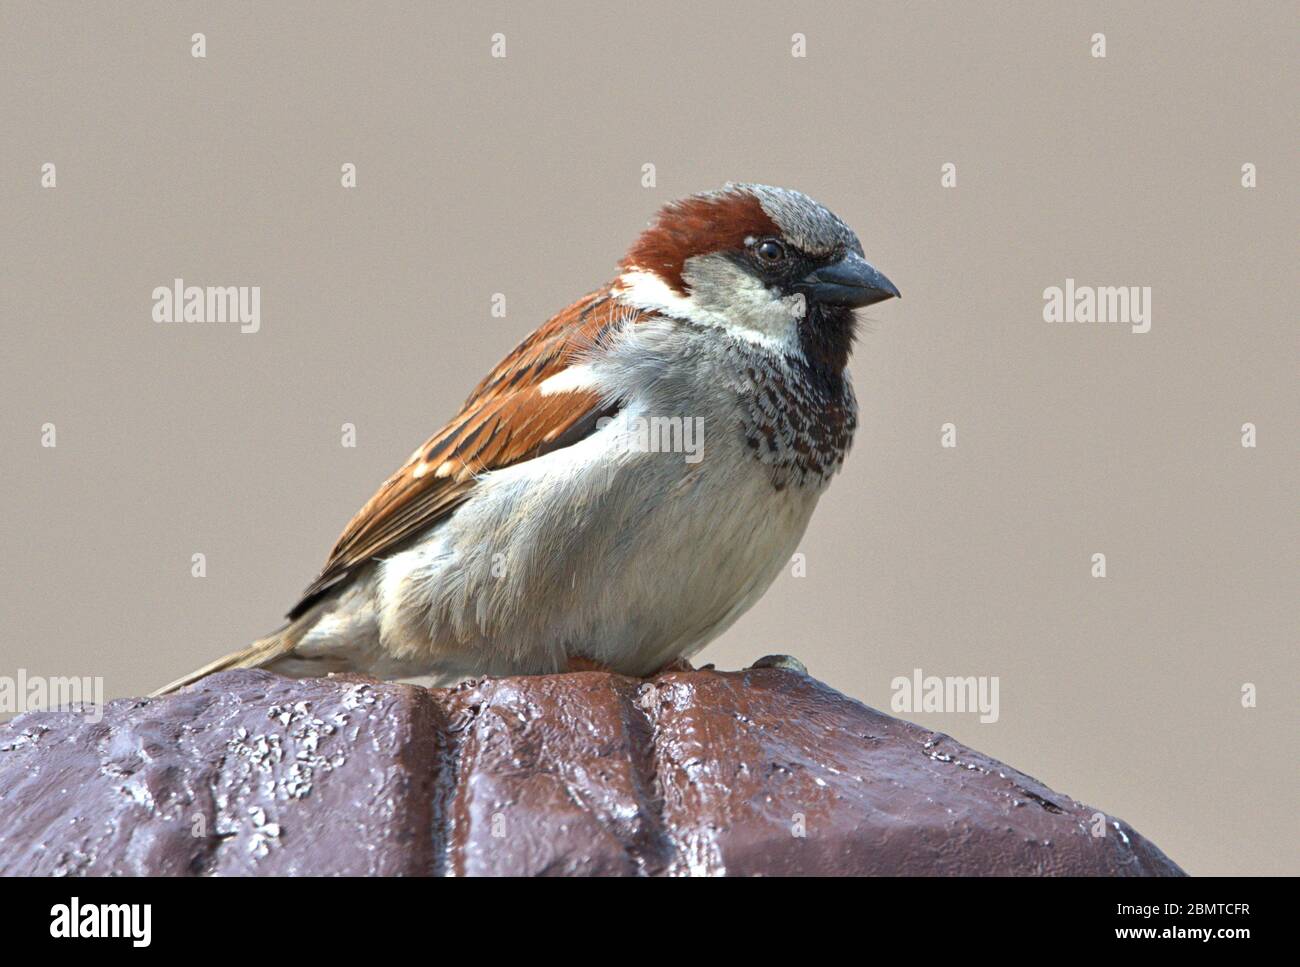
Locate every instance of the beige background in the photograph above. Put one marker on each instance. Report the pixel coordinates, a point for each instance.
(522, 176)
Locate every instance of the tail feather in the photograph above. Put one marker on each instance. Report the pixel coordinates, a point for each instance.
(263, 652)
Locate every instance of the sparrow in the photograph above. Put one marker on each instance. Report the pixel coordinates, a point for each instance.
(627, 482)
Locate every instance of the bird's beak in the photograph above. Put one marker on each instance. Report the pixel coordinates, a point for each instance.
(851, 282)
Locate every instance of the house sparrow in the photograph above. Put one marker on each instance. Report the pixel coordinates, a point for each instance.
(545, 528)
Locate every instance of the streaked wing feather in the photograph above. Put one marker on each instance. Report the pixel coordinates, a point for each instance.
(505, 420)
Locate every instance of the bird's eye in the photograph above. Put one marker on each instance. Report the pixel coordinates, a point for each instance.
(770, 250)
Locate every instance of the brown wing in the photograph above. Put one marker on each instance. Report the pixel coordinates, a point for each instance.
(505, 420)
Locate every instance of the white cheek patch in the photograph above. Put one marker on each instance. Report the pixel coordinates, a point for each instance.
(723, 296)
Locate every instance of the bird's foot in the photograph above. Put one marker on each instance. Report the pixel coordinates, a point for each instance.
(787, 662)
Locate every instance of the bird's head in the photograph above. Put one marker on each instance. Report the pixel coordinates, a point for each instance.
(768, 265)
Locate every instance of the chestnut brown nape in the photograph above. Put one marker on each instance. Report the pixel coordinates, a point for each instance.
(698, 225)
